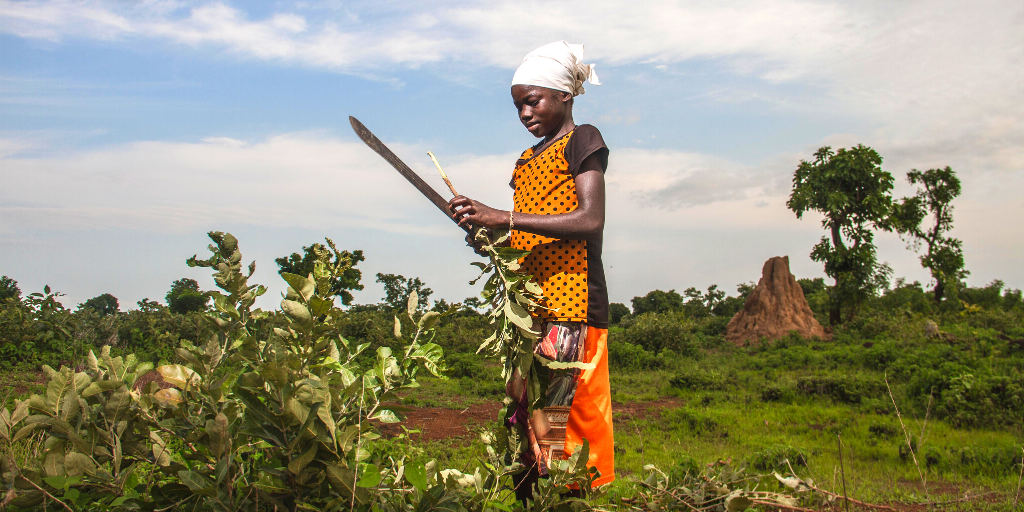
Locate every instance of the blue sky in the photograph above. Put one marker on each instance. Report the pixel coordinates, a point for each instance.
(128, 130)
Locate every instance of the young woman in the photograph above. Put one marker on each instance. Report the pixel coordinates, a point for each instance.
(559, 205)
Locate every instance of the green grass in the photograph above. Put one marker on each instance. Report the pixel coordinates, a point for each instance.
(718, 411)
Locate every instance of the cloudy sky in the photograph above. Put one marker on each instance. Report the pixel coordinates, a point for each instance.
(128, 129)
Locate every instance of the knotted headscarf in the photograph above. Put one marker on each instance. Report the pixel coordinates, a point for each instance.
(557, 66)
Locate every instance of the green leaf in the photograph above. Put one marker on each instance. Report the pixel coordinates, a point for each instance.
(57, 482)
(737, 503)
(428, 320)
(161, 455)
(178, 376)
(517, 315)
(299, 463)
(413, 304)
(369, 475)
(78, 464)
(197, 482)
(416, 474)
(305, 287)
(297, 312)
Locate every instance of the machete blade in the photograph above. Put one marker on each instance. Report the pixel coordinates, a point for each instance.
(375, 144)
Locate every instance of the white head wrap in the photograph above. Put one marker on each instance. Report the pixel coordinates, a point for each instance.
(557, 66)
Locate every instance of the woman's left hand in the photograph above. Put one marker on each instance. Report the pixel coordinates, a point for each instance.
(467, 211)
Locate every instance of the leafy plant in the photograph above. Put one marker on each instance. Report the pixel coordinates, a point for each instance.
(943, 255)
(302, 264)
(853, 193)
(248, 423)
(186, 297)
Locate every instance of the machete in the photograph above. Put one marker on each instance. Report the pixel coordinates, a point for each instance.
(375, 144)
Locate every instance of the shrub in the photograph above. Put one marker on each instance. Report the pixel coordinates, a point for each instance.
(656, 332)
(698, 380)
(774, 458)
(628, 356)
(841, 388)
(690, 420)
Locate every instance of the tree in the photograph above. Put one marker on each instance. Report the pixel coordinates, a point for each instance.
(105, 304)
(303, 264)
(657, 301)
(853, 193)
(185, 296)
(616, 311)
(9, 289)
(944, 256)
(397, 290)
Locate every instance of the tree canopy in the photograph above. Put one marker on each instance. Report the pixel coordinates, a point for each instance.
(397, 289)
(657, 301)
(850, 189)
(9, 289)
(185, 296)
(105, 304)
(302, 264)
(943, 255)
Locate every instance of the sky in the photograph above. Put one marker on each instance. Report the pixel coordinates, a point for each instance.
(130, 129)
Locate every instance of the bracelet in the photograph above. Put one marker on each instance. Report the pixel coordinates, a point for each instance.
(511, 221)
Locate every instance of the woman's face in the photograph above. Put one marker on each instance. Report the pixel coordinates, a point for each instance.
(541, 110)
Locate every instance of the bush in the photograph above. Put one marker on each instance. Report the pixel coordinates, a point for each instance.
(698, 380)
(656, 332)
(840, 388)
(628, 356)
(774, 458)
(690, 420)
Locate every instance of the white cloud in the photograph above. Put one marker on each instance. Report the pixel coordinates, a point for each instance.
(940, 75)
(660, 232)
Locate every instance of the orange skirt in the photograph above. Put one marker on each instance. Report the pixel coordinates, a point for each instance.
(590, 417)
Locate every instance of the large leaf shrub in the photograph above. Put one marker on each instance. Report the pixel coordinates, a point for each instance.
(252, 418)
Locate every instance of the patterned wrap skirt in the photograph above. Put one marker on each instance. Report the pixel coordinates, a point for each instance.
(578, 403)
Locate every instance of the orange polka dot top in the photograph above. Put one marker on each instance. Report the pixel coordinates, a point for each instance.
(569, 271)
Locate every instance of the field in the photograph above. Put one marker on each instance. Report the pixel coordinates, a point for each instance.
(685, 401)
(794, 400)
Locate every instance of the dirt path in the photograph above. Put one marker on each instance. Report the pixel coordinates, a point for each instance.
(441, 423)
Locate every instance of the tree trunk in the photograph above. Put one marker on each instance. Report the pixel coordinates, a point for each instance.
(940, 290)
(834, 311)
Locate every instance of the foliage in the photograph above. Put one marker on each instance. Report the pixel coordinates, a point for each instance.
(37, 330)
(943, 255)
(853, 193)
(657, 301)
(104, 305)
(616, 312)
(721, 486)
(9, 289)
(397, 288)
(667, 331)
(186, 297)
(302, 264)
(250, 423)
(625, 355)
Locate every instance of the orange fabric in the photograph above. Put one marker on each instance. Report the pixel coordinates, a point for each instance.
(591, 414)
(544, 186)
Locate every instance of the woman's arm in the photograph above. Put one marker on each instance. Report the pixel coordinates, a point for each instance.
(583, 223)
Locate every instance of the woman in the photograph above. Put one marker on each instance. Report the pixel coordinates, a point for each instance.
(559, 211)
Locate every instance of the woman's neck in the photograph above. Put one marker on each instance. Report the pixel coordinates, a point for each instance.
(567, 126)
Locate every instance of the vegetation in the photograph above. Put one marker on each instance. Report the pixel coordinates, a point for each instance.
(209, 404)
(186, 297)
(943, 256)
(853, 193)
(302, 264)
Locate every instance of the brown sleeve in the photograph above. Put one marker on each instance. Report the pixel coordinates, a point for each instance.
(585, 141)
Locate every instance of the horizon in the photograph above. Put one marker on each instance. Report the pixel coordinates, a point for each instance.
(129, 131)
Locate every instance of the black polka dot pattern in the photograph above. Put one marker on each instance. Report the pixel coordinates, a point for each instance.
(544, 186)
